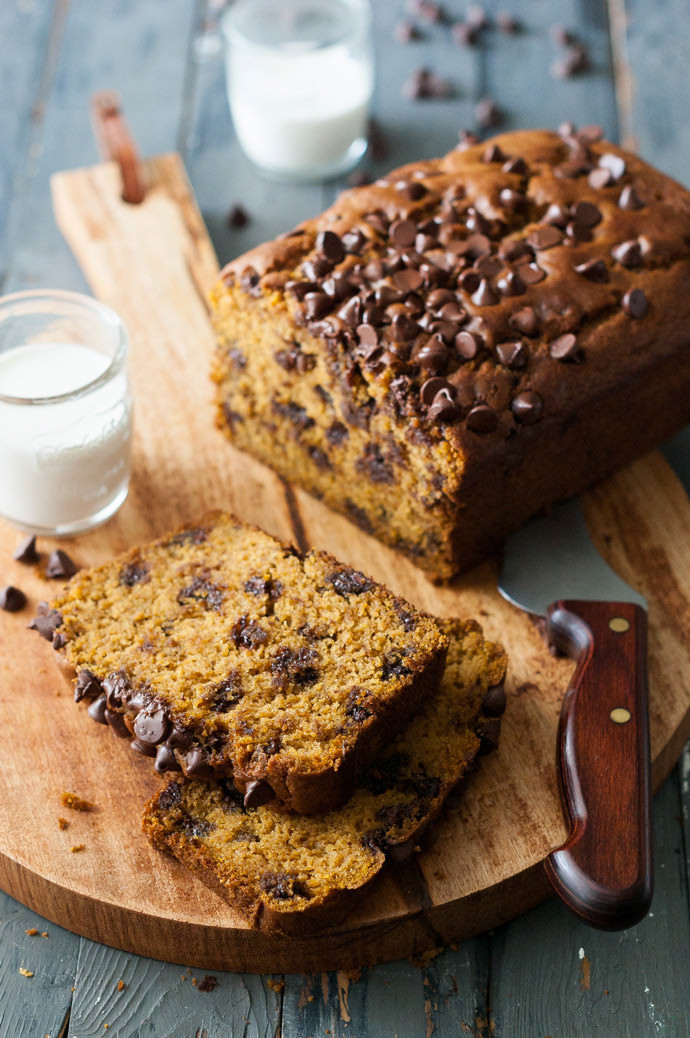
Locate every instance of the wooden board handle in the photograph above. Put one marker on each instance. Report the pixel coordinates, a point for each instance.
(604, 870)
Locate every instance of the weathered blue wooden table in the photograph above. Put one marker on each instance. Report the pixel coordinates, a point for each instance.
(545, 973)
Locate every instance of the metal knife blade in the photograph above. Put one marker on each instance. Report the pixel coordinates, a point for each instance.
(551, 568)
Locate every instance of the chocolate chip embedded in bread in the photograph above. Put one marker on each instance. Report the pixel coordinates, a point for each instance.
(635, 303)
(565, 348)
(527, 407)
(257, 793)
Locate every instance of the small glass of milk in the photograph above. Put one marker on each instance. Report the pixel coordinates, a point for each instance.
(300, 76)
(65, 412)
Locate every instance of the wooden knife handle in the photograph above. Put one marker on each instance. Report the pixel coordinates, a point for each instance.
(604, 870)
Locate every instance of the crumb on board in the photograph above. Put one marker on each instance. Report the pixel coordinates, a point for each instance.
(31, 932)
(76, 803)
(276, 985)
(206, 983)
(26, 973)
(77, 848)
(63, 823)
(120, 985)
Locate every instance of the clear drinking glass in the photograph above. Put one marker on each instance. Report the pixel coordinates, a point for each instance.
(300, 76)
(65, 412)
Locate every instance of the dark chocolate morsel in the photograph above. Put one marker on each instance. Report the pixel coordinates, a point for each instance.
(482, 419)
(628, 254)
(512, 354)
(565, 348)
(257, 793)
(525, 321)
(328, 243)
(494, 701)
(489, 736)
(147, 748)
(635, 303)
(87, 686)
(12, 599)
(152, 726)
(60, 566)
(166, 759)
(629, 198)
(97, 710)
(195, 764)
(117, 723)
(46, 621)
(527, 407)
(594, 270)
(26, 552)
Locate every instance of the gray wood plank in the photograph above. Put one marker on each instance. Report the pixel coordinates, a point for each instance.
(36, 1005)
(632, 984)
(656, 50)
(135, 996)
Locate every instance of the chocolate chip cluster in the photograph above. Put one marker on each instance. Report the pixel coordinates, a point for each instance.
(408, 296)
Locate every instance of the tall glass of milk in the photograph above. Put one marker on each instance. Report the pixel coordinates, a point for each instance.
(65, 412)
(300, 76)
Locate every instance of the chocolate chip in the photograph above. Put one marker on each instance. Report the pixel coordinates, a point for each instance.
(531, 274)
(516, 165)
(485, 295)
(465, 35)
(527, 407)
(594, 270)
(46, 621)
(413, 190)
(248, 634)
(403, 233)
(516, 201)
(87, 686)
(238, 217)
(545, 237)
(350, 582)
(406, 32)
(425, 85)
(165, 759)
(408, 280)
(586, 214)
(565, 348)
(599, 178)
(628, 254)
(430, 388)
(635, 303)
(556, 215)
(26, 552)
(511, 284)
(152, 726)
(507, 23)
(353, 241)
(574, 60)
(525, 321)
(512, 354)
(328, 243)
(12, 599)
(117, 723)
(317, 305)
(482, 419)
(615, 164)
(444, 407)
(494, 701)
(487, 113)
(629, 199)
(467, 344)
(145, 748)
(60, 566)
(466, 139)
(132, 573)
(489, 266)
(432, 355)
(257, 793)
(97, 710)
(195, 763)
(494, 154)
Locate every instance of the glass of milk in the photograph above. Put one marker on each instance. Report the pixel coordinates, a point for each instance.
(65, 412)
(300, 75)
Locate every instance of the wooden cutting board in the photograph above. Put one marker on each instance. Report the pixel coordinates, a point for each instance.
(482, 863)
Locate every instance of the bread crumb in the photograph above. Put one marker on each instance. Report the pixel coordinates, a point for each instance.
(76, 803)
(76, 848)
(276, 985)
(209, 982)
(62, 823)
(120, 985)
(26, 973)
(32, 932)
(44, 933)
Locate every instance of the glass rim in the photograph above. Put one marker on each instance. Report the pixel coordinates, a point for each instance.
(99, 310)
(231, 31)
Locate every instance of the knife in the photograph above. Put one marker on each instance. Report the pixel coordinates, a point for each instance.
(604, 871)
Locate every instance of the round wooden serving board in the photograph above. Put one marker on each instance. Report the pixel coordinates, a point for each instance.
(482, 863)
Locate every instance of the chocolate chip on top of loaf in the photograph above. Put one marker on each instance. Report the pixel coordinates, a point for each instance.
(450, 349)
(295, 873)
(221, 651)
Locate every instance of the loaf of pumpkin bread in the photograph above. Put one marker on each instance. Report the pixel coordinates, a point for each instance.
(222, 652)
(294, 873)
(453, 348)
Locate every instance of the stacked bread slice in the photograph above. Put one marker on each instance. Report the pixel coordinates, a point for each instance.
(315, 721)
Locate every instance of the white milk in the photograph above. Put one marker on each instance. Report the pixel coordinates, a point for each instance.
(63, 463)
(299, 90)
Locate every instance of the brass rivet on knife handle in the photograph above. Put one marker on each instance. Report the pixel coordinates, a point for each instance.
(116, 143)
(619, 624)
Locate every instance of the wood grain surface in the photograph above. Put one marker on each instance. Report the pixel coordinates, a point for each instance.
(482, 863)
